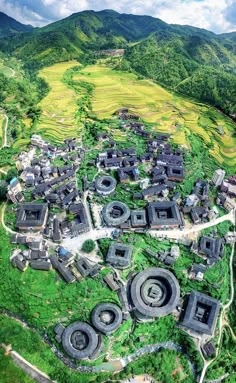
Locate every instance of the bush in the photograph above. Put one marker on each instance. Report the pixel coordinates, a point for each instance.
(88, 246)
(11, 174)
(3, 190)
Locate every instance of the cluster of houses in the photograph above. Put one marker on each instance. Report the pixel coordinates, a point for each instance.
(34, 252)
(210, 248)
(226, 189)
(168, 257)
(157, 215)
(31, 251)
(57, 186)
(155, 291)
(111, 52)
(167, 164)
(41, 177)
(14, 191)
(198, 204)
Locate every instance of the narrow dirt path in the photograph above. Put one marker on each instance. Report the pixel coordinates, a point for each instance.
(8, 230)
(4, 141)
(27, 367)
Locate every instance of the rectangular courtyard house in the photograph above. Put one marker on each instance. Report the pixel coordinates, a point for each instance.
(32, 216)
(175, 173)
(164, 214)
(86, 268)
(201, 314)
(209, 349)
(119, 255)
(79, 224)
(211, 248)
(138, 218)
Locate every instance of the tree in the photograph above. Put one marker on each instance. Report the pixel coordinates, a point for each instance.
(88, 246)
(11, 174)
(3, 190)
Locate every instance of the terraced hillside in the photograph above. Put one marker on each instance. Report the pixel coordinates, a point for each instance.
(114, 89)
(58, 119)
(168, 112)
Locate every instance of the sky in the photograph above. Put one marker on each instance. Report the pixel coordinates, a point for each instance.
(218, 16)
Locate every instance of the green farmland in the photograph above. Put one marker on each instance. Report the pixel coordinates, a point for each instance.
(58, 118)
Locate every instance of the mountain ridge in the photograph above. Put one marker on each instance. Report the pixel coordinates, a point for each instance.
(178, 57)
(10, 26)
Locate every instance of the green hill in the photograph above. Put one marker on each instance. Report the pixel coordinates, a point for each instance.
(10, 27)
(80, 33)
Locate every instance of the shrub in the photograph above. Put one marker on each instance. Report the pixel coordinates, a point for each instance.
(88, 246)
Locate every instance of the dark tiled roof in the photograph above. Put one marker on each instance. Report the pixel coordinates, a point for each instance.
(201, 313)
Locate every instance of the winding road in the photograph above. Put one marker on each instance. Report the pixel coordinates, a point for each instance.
(75, 244)
(8, 230)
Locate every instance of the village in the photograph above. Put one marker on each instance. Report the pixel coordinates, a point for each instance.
(57, 211)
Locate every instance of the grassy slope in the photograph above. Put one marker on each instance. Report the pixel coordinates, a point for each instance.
(114, 89)
(58, 119)
(10, 373)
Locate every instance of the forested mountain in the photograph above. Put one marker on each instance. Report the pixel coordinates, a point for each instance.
(186, 59)
(202, 66)
(80, 33)
(10, 27)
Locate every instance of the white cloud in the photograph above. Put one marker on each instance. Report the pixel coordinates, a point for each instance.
(215, 15)
(207, 14)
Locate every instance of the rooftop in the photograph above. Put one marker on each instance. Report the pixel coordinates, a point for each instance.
(201, 313)
(154, 293)
(119, 255)
(164, 213)
(31, 216)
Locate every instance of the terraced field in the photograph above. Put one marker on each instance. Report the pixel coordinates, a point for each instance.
(168, 112)
(58, 120)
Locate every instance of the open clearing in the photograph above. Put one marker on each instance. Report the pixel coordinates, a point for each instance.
(7, 71)
(169, 112)
(58, 119)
